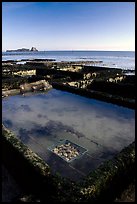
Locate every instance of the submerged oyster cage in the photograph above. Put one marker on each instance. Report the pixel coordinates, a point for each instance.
(68, 150)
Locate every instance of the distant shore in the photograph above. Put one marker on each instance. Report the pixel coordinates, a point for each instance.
(23, 50)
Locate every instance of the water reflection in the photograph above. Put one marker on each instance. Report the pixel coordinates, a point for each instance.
(40, 120)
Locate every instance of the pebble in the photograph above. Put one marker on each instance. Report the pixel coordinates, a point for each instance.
(67, 151)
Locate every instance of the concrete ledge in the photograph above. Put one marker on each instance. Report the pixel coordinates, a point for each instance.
(111, 177)
(29, 155)
(129, 103)
(26, 166)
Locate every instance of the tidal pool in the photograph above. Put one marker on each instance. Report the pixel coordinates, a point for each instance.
(43, 120)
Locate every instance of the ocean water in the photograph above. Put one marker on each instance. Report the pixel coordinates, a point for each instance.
(116, 59)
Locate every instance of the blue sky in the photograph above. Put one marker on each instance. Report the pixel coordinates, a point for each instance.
(68, 25)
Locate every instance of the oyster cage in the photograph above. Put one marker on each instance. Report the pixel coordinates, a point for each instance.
(68, 150)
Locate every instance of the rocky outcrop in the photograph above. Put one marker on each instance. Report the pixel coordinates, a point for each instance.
(23, 50)
(33, 49)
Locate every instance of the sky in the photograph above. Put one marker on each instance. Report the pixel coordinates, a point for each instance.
(69, 25)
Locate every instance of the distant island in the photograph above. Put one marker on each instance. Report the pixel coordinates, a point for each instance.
(23, 50)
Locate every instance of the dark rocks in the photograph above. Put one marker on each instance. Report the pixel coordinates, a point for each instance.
(23, 50)
(33, 49)
(18, 50)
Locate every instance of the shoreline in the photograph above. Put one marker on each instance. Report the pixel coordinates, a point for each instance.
(121, 59)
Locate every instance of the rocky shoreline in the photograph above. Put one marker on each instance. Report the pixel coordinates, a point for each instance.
(78, 74)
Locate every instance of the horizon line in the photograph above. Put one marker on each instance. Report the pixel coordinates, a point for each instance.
(80, 50)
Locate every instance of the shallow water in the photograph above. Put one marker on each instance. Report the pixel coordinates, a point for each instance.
(43, 119)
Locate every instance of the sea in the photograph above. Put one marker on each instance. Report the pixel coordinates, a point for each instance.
(112, 59)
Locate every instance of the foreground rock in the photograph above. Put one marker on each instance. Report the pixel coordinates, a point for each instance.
(35, 86)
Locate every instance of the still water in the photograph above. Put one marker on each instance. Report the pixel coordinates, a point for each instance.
(41, 120)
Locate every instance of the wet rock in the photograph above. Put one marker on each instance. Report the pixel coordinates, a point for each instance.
(67, 151)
